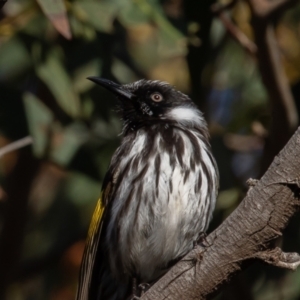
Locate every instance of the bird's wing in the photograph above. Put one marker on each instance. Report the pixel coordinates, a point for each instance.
(92, 243)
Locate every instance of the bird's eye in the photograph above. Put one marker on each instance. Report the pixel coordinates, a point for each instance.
(156, 97)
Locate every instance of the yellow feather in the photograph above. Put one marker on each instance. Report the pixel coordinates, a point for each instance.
(97, 216)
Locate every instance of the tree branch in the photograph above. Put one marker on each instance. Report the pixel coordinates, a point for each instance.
(268, 10)
(280, 259)
(232, 29)
(23, 142)
(282, 106)
(199, 12)
(283, 110)
(246, 235)
(237, 34)
(217, 8)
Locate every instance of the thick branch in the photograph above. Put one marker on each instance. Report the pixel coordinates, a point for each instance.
(247, 234)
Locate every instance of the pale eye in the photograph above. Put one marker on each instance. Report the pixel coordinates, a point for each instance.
(156, 97)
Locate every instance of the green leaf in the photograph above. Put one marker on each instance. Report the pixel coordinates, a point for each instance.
(81, 84)
(228, 198)
(81, 189)
(122, 72)
(56, 12)
(141, 11)
(66, 142)
(131, 15)
(153, 35)
(82, 30)
(14, 59)
(39, 119)
(100, 15)
(87, 107)
(59, 83)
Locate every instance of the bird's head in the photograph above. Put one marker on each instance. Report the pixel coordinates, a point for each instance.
(147, 102)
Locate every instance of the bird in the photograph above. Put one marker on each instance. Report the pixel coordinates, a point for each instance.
(157, 197)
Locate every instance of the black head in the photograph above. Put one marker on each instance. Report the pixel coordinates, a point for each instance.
(147, 102)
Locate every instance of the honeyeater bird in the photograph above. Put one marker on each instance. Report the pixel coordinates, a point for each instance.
(158, 195)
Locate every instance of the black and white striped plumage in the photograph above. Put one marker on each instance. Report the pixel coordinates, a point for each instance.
(158, 195)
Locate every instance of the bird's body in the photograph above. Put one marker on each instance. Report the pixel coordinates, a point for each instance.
(158, 195)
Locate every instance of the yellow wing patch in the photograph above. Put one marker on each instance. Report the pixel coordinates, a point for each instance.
(93, 239)
(96, 219)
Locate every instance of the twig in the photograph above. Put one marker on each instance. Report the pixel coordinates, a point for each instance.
(282, 105)
(283, 110)
(217, 8)
(266, 9)
(23, 142)
(232, 29)
(237, 34)
(278, 258)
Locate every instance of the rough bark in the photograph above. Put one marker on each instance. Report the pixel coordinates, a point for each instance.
(246, 236)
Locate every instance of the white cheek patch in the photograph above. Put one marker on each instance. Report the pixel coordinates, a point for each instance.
(186, 115)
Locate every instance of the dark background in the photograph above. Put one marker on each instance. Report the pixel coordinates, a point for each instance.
(48, 189)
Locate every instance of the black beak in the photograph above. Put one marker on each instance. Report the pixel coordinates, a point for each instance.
(115, 88)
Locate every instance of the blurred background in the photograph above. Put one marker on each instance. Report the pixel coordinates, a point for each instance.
(59, 130)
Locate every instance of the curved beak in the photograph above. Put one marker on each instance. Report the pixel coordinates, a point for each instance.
(115, 88)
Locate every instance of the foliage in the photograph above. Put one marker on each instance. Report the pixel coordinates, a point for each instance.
(48, 48)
